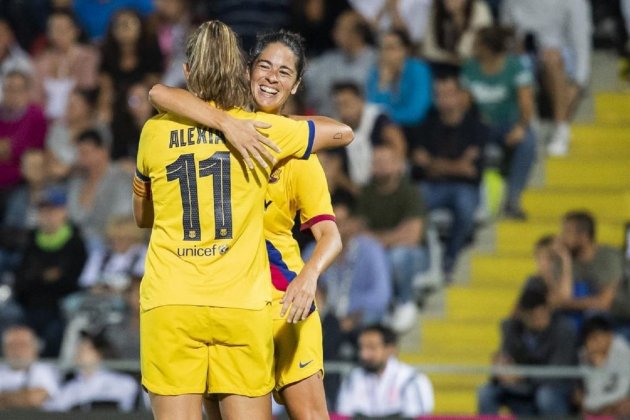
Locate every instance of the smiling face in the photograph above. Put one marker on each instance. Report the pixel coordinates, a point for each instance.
(273, 77)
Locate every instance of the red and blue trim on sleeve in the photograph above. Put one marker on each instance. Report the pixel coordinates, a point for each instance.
(281, 276)
(315, 220)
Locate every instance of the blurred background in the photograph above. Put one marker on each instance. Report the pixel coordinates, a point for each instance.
(498, 129)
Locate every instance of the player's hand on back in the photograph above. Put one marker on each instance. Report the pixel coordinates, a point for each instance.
(244, 136)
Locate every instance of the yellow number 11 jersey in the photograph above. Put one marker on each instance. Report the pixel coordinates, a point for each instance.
(207, 246)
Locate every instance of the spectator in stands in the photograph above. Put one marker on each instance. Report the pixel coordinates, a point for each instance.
(597, 269)
(98, 191)
(532, 336)
(357, 287)
(372, 127)
(315, 20)
(250, 17)
(451, 32)
(25, 382)
(171, 22)
(123, 258)
(93, 386)
(128, 124)
(50, 269)
(554, 273)
(340, 185)
(61, 142)
(561, 33)
(131, 54)
(124, 336)
(383, 387)
(64, 65)
(351, 60)
(400, 83)
(12, 57)
(22, 127)
(95, 15)
(502, 88)
(410, 16)
(447, 158)
(394, 213)
(21, 214)
(606, 392)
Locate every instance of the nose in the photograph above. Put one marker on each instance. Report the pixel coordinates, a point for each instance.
(272, 76)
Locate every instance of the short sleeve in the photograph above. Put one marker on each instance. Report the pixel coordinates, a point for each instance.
(464, 78)
(414, 203)
(522, 75)
(311, 189)
(294, 138)
(609, 268)
(142, 178)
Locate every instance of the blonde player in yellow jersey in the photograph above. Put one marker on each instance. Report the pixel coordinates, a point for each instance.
(206, 323)
(276, 68)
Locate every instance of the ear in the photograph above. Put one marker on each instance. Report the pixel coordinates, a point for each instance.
(186, 70)
(295, 87)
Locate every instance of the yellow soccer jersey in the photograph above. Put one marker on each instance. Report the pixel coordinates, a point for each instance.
(294, 185)
(207, 246)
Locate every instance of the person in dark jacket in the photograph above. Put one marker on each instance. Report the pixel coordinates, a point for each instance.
(533, 336)
(51, 265)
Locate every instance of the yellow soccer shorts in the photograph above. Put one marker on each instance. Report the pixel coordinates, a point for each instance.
(202, 349)
(298, 347)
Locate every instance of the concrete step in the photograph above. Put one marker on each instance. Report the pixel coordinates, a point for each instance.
(581, 173)
(612, 107)
(596, 141)
(499, 268)
(613, 204)
(519, 237)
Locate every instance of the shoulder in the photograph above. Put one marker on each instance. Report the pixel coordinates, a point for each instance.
(416, 65)
(608, 253)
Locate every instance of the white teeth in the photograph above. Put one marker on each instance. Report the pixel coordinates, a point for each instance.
(267, 89)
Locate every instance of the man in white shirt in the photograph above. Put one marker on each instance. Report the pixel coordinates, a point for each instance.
(93, 386)
(25, 382)
(383, 386)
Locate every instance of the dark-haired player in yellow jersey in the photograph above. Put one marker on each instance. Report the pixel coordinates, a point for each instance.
(205, 316)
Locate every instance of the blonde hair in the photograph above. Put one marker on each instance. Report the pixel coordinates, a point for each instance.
(216, 66)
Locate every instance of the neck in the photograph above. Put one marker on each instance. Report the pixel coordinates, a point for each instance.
(354, 49)
(128, 48)
(587, 253)
(97, 171)
(389, 185)
(453, 117)
(493, 64)
(90, 370)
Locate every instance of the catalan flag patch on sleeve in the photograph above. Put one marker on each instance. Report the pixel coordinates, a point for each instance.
(142, 185)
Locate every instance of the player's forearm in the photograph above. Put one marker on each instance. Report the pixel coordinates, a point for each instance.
(143, 212)
(328, 247)
(183, 103)
(329, 133)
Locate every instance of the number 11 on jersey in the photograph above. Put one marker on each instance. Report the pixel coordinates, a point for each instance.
(184, 170)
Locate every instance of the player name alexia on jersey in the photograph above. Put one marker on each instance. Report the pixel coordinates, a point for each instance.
(194, 135)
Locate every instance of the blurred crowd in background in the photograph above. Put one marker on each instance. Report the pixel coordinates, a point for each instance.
(440, 94)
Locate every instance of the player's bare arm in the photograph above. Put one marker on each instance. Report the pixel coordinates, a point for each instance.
(298, 299)
(329, 133)
(242, 134)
